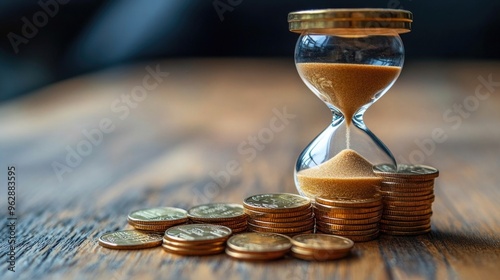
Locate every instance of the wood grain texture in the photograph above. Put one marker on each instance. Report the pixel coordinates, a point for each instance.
(171, 146)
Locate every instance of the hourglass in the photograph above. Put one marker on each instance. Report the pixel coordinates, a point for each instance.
(348, 58)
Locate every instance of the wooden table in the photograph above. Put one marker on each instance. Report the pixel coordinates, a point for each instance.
(85, 156)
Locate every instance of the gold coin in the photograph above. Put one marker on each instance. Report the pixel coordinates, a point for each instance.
(363, 238)
(198, 233)
(406, 218)
(407, 171)
(253, 227)
(130, 239)
(408, 203)
(195, 252)
(257, 214)
(408, 198)
(346, 232)
(358, 238)
(160, 215)
(243, 224)
(409, 191)
(345, 210)
(352, 203)
(254, 257)
(347, 216)
(276, 202)
(400, 228)
(407, 184)
(292, 234)
(394, 232)
(222, 223)
(408, 213)
(282, 225)
(340, 221)
(192, 247)
(307, 216)
(229, 225)
(323, 242)
(406, 194)
(405, 224)
(259, 242)
(216, 212)
(348, 227)
(318, 256)
(240, 230)
(147, 227)
(319, 253)
(407, 208)
(188, 245)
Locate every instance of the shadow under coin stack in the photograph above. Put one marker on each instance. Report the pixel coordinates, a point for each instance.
(284, 213)
(258, 246)
(223, 214)
(356, 219)
(196, 239)
(407, 194)
(157, 219)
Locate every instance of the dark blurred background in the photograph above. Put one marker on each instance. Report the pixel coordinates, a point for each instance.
(49, 40)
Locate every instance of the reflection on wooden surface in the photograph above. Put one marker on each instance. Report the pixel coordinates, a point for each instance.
(177, 144)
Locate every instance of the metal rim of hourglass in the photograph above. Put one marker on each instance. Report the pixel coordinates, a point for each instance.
(351, 21)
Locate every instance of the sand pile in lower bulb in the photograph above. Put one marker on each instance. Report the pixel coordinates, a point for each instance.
(346, 175)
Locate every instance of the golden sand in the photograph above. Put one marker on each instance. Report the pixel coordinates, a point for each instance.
(346, 175)
(348, 86)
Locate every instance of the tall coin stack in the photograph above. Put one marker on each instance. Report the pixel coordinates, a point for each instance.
(356, 219)
(223, 214)
(408, 194)
(284, 213)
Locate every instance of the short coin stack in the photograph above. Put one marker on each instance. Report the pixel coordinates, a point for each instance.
(320, 247)
(223, 214)
(408, 194)
(196, 239)
(130, 239)
(258, 246)
(284, 213)
(356, 219)
(157, 219)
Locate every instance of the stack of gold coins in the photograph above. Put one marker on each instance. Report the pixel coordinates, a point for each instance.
(284, 213)
(356, 219)
(320, 247)
(196, 239)
(408, 193)
(157, 219)
(224, 214)
(258, 246)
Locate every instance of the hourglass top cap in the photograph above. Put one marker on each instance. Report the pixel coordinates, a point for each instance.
(351, 21)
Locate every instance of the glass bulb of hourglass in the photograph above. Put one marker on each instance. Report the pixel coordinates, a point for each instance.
(349, 72)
